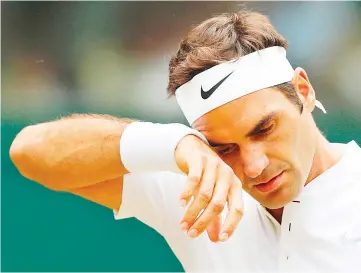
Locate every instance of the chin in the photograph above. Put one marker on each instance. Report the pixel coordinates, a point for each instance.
(277, 204)
(280, 197)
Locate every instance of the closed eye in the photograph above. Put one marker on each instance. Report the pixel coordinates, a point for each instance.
(265, 131)
(264, 126)
(226, 149)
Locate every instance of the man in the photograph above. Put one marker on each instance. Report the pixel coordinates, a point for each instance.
(252, 129)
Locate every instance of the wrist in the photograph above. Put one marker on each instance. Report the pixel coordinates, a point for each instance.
(180, 152)
(146, 146)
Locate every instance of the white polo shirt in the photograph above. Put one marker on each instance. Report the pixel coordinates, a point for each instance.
(320, 231)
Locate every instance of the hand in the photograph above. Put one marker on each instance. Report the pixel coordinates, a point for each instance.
(212, 183)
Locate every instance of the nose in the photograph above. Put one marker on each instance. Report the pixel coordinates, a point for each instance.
(254, 161)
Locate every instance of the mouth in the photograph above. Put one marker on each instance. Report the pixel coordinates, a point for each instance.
(271, 184)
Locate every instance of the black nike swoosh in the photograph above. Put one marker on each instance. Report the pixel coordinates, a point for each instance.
(206, 94)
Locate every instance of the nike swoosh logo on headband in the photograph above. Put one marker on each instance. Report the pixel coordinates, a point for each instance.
(206, 94)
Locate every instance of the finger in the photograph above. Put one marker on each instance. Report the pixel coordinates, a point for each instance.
(213, 229)
(202, 199)
(184, 225)
(193, 180)
(216, 206)
(235, 202)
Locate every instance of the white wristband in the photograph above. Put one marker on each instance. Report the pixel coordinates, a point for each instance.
(146, 146)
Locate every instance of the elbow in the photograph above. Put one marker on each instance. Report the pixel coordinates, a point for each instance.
(18, 150)
(23, 155)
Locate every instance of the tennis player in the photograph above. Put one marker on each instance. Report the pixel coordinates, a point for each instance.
(254, 170)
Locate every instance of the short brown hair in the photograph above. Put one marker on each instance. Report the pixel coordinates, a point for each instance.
(220, 39)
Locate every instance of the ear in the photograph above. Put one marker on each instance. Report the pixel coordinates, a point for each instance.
(304, 89)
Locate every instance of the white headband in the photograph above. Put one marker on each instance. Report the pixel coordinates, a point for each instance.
(231, 80)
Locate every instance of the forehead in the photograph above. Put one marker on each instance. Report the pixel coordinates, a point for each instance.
(245, 111)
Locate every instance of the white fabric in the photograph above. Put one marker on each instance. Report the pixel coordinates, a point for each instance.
(146, 146)
(320, 231)
(261, 69)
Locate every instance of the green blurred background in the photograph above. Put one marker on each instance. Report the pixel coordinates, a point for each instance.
(111, 57)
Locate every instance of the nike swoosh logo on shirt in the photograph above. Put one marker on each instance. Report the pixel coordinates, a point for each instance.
(206, 94)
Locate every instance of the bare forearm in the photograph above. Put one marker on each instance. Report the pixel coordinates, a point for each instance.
(72, 152)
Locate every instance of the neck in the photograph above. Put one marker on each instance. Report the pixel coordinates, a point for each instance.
(326, 155)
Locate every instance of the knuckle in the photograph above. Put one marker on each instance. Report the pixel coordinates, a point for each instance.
(206, 195)
(239, 210)
(201, 225)
(217, 206)
(237, 184)
(230, 228)
(227, 170)
(189, 217)
(193, 179)
(187, 192)
(204, 159)
(213, 161)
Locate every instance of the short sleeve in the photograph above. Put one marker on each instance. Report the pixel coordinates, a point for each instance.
(146, 196)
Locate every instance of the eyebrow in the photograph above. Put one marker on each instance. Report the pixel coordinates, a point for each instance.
(258, 128)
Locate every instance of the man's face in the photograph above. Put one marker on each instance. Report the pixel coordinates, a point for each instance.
(267, 141)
